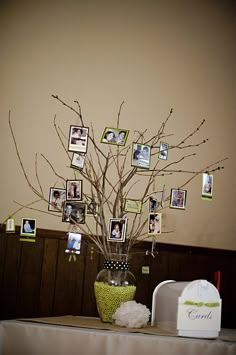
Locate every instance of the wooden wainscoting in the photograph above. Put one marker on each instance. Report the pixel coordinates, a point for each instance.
(37, 279)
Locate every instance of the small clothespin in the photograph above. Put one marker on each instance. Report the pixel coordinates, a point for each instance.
(152, 251)
(72, 256)
(91, 253)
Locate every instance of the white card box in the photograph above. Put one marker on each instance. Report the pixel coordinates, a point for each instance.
(189, 309)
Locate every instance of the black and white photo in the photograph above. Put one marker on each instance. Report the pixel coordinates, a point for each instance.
(114, 136)
(141, 155)
(78, 139)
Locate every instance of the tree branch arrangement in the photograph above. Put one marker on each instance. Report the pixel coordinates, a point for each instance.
(110, 179)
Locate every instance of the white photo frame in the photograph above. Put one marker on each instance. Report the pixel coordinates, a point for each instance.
(78, 139)
(163, 151)
(92, 208)
(10, 225)
(74, 190)
(117, 229)
(207, 186)
(154, 223)
(73, 245)
(57, 199)
(77, 161)
(178, 198)
(141, 155)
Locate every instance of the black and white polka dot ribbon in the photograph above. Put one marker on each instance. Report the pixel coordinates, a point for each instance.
(116, 265)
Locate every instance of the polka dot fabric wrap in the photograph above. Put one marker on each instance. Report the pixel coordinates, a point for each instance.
(116, 265)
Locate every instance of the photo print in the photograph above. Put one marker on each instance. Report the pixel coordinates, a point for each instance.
(133, 206)
(141, 155)
(73, 190)
(154, 223)
(91, 208)
(10, 225)
(114, 136)
(153, 204)
(207, 186)
(73, 243)
(178, 198)
(28, 229)
(117, 229)
(57, 198)
(73, 212)
(78, 139)
(77, 161)
(163, 152)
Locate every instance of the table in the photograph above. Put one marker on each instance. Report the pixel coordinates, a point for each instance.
(60, 336)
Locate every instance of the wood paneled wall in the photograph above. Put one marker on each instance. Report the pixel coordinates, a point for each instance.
(37, 279)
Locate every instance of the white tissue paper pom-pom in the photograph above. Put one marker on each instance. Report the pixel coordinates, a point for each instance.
(131, 314)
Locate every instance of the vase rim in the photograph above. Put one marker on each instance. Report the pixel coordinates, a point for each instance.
(118, 256)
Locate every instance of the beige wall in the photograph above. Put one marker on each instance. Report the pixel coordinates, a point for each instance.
(154, 55)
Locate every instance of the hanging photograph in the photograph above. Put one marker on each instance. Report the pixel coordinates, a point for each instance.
(141, 155)
(121, 136)
(57, 198)
(133, 206)
(163, 152)
(10, 225)
(73, 190)
(178, 198)
(28, 229)
(114, 136)
(77, 161)
(91, 208)
(207, 186)
(154, 223)
(73, 212)
(73, 243)
(78, 139)
(117, 229)
(153, 204)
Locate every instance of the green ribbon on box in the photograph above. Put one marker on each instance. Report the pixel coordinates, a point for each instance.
(201, 304)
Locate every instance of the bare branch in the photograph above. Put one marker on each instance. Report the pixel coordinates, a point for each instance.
(118, 118)
(20, 160)
(36, 173)
(51, 166)
(110, 179)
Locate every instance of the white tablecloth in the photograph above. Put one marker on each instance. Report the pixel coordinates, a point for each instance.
(19, 337)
